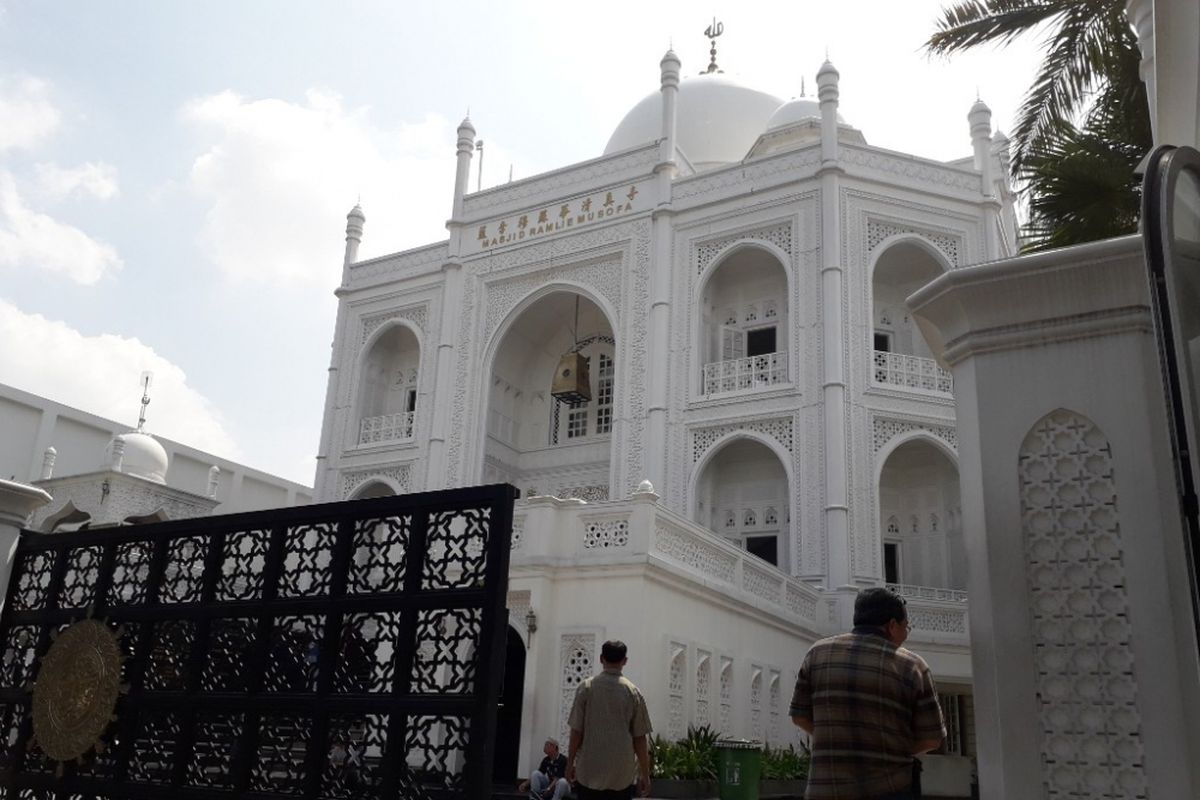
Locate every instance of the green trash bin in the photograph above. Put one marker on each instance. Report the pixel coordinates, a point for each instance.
(739, 765)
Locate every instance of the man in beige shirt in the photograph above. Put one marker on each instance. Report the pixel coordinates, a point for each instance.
(609, 725)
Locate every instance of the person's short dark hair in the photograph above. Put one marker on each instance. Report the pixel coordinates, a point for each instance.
(613, 651)
(878, 606)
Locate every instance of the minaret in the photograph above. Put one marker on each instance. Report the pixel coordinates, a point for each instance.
(669, 79)
(48, 459)
(354, 231)
(836, 511)
(827, 93)
(980, 119)
(452, 298)
(660, 287)
(335, 406)
(462, 174)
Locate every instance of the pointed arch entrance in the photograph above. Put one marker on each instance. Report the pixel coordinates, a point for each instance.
(533, 440)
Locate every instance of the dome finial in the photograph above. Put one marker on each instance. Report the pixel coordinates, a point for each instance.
(712, 32)
(147, 379)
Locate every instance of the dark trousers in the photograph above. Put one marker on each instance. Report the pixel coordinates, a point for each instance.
(584, 793)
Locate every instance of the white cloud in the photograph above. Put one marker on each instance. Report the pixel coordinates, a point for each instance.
(96, 179)
(32, 240)
(100, 374)
(279, 178)
(27, 113)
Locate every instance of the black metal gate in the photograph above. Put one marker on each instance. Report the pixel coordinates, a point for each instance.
(335, 651)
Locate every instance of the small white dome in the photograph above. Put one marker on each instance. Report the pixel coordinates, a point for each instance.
(795, 110)
(718, 120)
(143, 457)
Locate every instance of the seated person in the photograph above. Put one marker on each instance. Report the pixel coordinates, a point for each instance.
(547, 781)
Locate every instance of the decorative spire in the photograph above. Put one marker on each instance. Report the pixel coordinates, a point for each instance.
(147, 379)
(802, 92)
(712, 32)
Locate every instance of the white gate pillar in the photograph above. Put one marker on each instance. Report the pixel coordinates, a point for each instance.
(17, 502)
(1082, 640)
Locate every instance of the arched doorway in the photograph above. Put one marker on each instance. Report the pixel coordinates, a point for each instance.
(920, 519)
(505, 766)
(535, 441)
(742, 494)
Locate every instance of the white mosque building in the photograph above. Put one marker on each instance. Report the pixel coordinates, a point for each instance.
(693, 356)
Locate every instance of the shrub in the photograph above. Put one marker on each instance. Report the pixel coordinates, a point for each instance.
(695, 757)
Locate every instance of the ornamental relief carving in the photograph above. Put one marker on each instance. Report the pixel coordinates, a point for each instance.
(774, 169)
(884, 430)
(779, 235)
(779, 429)
(411, 261)
(910, 170)
(416, 314)
(949, 245)
(547, 187)
(400, 475)
(1086, 672)
(577, 659)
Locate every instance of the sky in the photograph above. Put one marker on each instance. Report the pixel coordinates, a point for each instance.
(174, 176)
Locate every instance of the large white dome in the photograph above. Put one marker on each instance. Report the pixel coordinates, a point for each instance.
(718, 120)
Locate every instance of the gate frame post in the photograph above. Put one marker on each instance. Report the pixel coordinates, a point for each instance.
(17, 502)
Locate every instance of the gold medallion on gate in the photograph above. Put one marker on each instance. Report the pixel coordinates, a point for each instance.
(76, 690)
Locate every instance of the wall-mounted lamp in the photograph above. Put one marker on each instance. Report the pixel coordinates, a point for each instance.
(530, 625)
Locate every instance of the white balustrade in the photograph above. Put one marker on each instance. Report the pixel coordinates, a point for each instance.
(928, 592)
(910, 372)
(386, 428)
(752, 372)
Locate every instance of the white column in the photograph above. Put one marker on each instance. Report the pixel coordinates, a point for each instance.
(1082, 644)
(1168, 31)
(833, 335)
(660, 299)
(443, 391)
(17, 502)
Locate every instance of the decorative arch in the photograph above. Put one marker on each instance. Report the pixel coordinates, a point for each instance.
(914, 435)
(493, 350)
(374, 486)
(775, 251)
(700, 343)
(940, 559)
(785, 458)
(521, 306)
(67, 515)
(382, 329)
(358, 382)
(911, 237)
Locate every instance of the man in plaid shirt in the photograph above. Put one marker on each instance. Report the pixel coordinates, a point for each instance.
(869, 704)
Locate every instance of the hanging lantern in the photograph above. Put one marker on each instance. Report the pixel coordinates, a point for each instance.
(572, 384)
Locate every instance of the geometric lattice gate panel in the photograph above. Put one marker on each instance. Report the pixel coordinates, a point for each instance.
(335, 651)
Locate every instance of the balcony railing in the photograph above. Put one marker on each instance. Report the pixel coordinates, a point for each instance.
(911, 372)
(386, 428)
(928, 592)
(752, 372)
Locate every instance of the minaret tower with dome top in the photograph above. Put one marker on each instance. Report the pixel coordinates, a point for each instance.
(762, 429)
